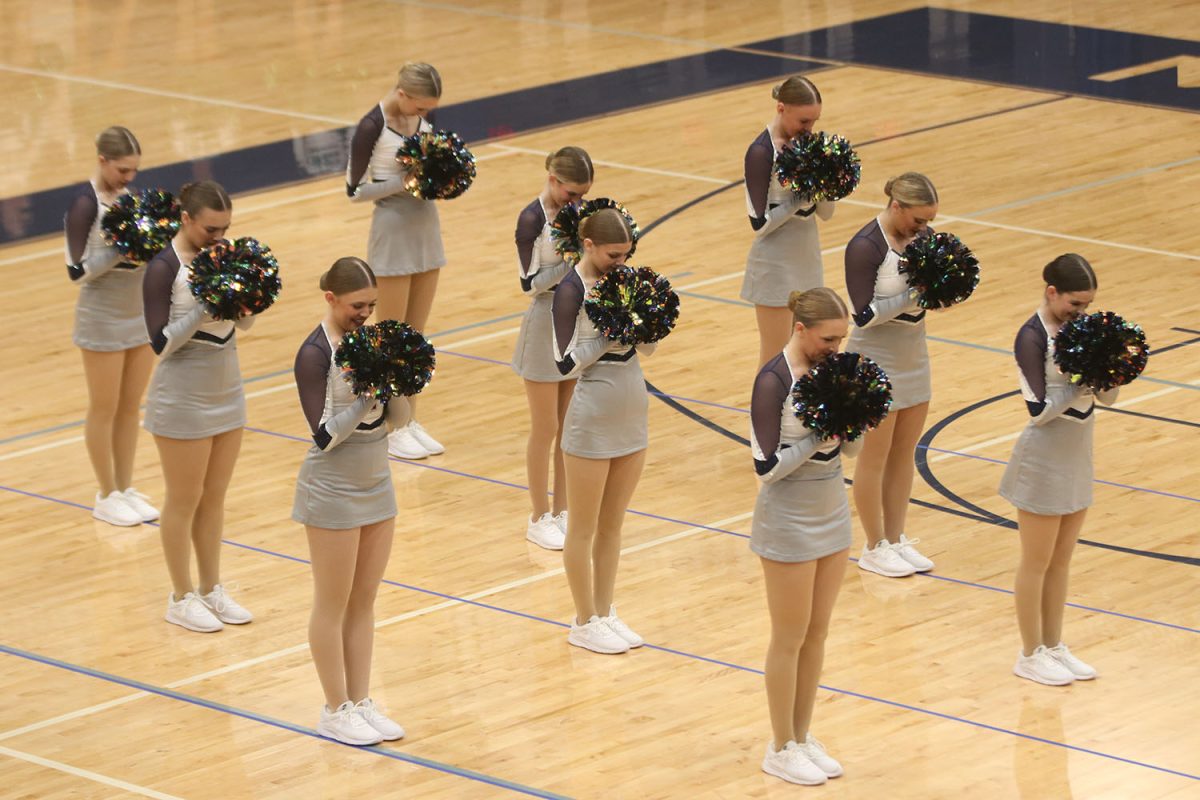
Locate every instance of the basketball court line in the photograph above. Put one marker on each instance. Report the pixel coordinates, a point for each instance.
(88, 775)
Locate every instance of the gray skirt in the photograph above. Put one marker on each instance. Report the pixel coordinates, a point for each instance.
(196, 392)
(533, 357)
(903, 354)
(803, 517)
(108, 314)
(607, 415)
(406, 237)
(786, 260)
(1050, 471)
(348, 486)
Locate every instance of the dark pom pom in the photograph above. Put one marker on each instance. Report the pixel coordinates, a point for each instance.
(1101, 350)
(141, 225)
(844, 395)
(235, 279)
(439, 165)
(941, 268)
(385, 359)
(632, 305)
(818, 166)
(564, 230)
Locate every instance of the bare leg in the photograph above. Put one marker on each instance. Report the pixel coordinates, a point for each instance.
(358, 632)
(868, 479)
(209, 523)
(543, 431)
(333, 555)
(565, 390)
(1039, 533)
(826, 584)
(585, 491)
(623, 475)
(422, 288)
(789, 601)
(103, 374)
(899, 469)
(184, 464)
(139, 363)
(1054, 587)
(774, 330)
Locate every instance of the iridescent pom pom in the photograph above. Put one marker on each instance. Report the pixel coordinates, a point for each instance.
(1101, 350)
(235, 279)
(564, 230)
(632, 305)
(439, 165)
(941, 268)
(385, 359)
(818, 166)
(844, 395)
(141, 225)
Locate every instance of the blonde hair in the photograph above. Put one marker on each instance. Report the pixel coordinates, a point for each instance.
(797, 91)
(815, 305)
(911, 189)
(418, 79)
(196, 197)
(117, 142)
(607, 226)
(348, 274)
(570, 165)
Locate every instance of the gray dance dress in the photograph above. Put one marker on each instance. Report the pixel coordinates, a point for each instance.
(1050, 471)
(541, 270)
(889, 326)
(607, 414)
(785, 256)
(345, 481)
(196, 391)
(406, 235)
(108, 314)
(801, 513)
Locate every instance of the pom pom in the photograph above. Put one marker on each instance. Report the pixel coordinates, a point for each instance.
(941, 268)
(385, 359)
(439, 165)
(632, 305)
(844, 395)
(818, 166)
(564, 230)
(235, 279)
(1101, 350)
(141, 225)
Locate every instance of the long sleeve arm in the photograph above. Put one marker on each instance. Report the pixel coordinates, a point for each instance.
(78, 223)
(311, 371)
(166, 337)
(573, 357)
(536, 277)
(1049, 402)
(863, 257)
(759, 165)
(774, 461)
(359, 187)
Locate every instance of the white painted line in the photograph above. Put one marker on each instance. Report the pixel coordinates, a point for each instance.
(280, 388)
(39, 448)
(70, 715)
(477, 339)
(618, 165)
(87, 774)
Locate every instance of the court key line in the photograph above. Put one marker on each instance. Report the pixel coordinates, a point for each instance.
(79, 772)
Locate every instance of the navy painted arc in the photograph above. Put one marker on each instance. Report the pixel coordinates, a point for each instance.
(1017, 52)
(327, 152)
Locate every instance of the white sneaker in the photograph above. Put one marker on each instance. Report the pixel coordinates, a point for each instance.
(560, 519)
(1081, 671)
(347, 726)
(389, 730)
(883, 559)
(1042, 667)
(137, 501)
(431, 445)
(224, 607)
(792, 765)
(115, 511)
(191, 613)
(402, 444)
(545, 533)
(815, 752)
(618, 627)
(597, 637)
(909, 553)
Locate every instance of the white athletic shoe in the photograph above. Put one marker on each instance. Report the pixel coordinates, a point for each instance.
(545, 533)
(1081, 671)
(402, 444)
(138, 502)
(431, 445)
(191, 613)
(224, 607)
(560, 519)
(347, 726)
(115, 511)
(910, 554)
(618, 627)
(597, 637)
(389, 730)
(1042, 668)
(792, 765)
(883, 559)
(815, 751)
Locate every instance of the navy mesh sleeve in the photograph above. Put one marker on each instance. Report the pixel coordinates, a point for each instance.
(312, 370)
(78, 224)
(156, 300)
(766, 401)
(1030, 350)
(568, 299)
(863, 257)
(760, 159)
(529, 227)
(362, 145)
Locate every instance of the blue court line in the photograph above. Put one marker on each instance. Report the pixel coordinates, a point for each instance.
(212, 705)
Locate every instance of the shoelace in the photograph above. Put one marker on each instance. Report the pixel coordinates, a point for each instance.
(366, 707)
(907, 543)
(137, 494)
(221, 600)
